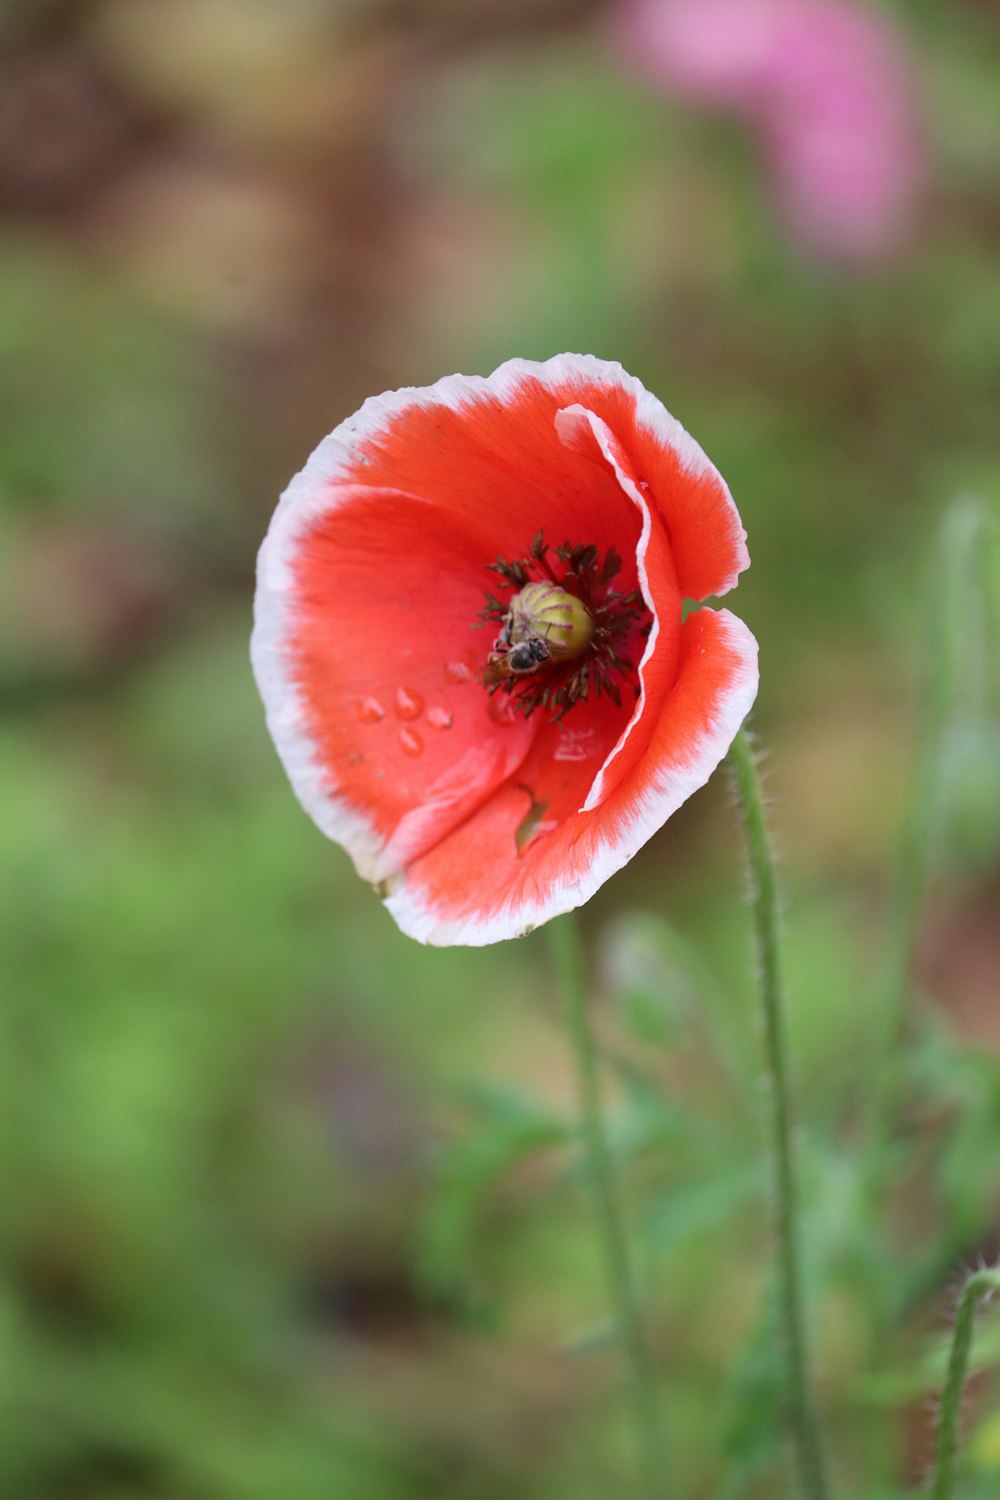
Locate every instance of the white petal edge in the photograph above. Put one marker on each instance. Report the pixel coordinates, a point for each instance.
(312, 493)
(569, 422)
(673, 785)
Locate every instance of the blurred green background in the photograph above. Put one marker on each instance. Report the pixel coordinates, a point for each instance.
(290, 1206)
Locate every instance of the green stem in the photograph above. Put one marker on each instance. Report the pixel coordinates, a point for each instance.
(765, 907)
(980, 1284)
(568, 955)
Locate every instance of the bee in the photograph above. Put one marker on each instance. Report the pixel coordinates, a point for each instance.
(543, 627)
(507, 661)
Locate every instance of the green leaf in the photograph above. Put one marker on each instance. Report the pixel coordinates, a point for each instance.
(510, 1130)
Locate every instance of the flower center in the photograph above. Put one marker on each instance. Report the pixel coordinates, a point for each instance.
(565, 631)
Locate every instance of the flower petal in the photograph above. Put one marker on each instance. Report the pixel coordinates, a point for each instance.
(487, 447)
(366, 660)
(585, 433)
(547, 857)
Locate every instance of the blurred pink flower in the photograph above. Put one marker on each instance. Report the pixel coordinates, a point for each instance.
(826, 85)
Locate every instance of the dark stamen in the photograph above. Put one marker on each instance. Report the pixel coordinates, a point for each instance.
(621, 623)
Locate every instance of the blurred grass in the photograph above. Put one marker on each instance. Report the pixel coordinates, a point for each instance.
(290, 1206)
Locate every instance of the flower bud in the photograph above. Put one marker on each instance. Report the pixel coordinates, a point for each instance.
(544, 611)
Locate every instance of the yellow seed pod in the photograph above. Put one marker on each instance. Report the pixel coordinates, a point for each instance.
(546, 612)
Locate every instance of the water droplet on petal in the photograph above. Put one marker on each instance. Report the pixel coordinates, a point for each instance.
(409, 703)
(457, 671)
(440, 718)
(370, 711)
(411, 743)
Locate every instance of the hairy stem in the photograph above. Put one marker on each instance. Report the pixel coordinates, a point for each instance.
(980, 1284)
(568, 956)
(765, 907)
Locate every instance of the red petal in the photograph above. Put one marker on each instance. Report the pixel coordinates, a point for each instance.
(586, 434)
(566, 862)
(366, 657)
(488, 447)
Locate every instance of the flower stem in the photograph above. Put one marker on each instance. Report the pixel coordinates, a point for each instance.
(765, 906)
(568, 957)
(980, 1284)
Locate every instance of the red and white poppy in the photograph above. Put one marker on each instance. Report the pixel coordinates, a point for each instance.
(469, 641)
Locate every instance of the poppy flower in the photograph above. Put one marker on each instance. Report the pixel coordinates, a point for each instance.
(470, 639)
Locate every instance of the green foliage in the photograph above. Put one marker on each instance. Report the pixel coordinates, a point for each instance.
(292, 1208)
(126, 388)
(503, 1132)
